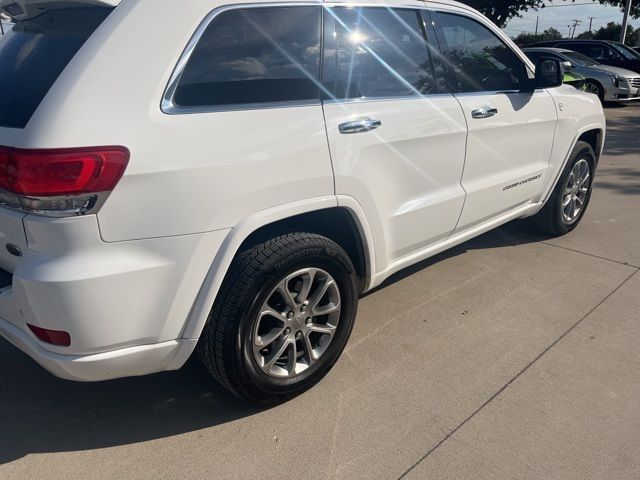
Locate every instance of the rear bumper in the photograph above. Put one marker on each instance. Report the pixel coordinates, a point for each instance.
(124, 305)
(125, 362)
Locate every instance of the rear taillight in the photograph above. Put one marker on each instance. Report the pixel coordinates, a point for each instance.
(60, 182)
(54, 337)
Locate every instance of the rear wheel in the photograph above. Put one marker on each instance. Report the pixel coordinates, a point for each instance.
(282, 318)
(570, 198)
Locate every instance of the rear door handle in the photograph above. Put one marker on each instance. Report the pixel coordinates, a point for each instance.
(359, 126)
(484, 112)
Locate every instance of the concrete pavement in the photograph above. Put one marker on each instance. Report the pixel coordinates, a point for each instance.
(512, 356)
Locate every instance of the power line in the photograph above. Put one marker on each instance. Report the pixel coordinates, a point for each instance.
(568, 5)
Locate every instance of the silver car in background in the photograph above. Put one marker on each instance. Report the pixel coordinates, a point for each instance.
(611, 84)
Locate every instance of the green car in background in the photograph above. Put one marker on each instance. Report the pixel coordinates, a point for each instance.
(575, 79)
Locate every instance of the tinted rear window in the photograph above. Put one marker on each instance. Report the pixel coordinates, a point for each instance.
(34, 53)
(255, 55)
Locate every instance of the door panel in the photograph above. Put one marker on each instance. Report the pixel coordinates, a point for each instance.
(405, 174)
(511, 127)
(397, 144)
(507, 154)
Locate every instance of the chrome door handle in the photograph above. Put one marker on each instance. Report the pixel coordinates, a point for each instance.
(484, 112)
(359, 126)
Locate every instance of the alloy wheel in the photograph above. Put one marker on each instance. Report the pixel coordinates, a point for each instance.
(592, 88)
(575, 191)
(296, 323)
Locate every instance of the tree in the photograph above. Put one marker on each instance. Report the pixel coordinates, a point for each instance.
(635, 6)
(501, 11)
(586, 36)
(612, 32)
(525, 39)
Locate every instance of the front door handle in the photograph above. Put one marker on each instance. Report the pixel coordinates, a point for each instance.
(484, 112)
(359, 126)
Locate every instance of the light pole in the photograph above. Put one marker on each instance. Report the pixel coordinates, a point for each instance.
(625, 21)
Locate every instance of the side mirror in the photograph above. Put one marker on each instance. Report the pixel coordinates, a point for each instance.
(549, 73)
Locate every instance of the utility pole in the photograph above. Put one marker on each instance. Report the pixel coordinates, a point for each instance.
(575, 25)
(591, 24)
(537, 21)
(625, 21)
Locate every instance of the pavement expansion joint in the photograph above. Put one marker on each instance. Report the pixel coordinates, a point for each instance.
(506, 385)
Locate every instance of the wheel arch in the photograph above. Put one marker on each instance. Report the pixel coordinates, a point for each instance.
(323, 216)
(599, 84)
(595, 138)
(594, 134)
(336, 223)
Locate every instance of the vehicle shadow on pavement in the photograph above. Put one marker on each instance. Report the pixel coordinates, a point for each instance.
(622, 138)
(40, 413)
(625, 181)
(518, 232)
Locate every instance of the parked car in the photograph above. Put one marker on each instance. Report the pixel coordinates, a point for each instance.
(603, 51)
(574, 79)
(207, 181)
(611, 84)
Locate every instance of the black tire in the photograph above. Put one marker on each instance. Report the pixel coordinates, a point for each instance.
(226, 345)
(596, 86)
(550, 219)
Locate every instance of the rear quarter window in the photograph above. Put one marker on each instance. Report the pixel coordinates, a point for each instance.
(33, 54)
(254, 55)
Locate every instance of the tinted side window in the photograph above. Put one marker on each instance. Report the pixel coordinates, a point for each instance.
(376, 52)
(534, 56)
(33, 54)
(255, 55)
(583, 48)
(602, 52)
(476, 59)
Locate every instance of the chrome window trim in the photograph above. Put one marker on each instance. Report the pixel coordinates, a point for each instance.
(169, 107)
(472, 15)
(497, 92)
(405, 98)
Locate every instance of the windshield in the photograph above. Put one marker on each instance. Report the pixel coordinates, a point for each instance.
(625, 51)
(33, 54)
(580, 59)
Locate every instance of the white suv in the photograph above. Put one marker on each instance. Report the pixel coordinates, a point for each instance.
(230, 177)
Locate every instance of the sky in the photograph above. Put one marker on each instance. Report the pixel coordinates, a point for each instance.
(562, 13)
